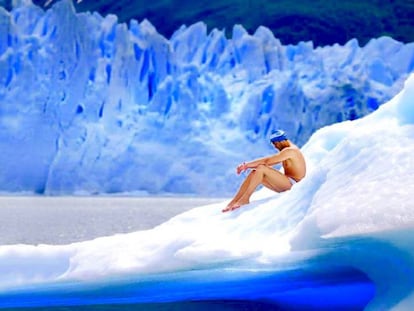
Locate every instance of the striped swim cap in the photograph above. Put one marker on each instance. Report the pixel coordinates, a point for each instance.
(277, 136)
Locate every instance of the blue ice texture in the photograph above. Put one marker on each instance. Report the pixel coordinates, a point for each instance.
(341, 239)
(89, 105)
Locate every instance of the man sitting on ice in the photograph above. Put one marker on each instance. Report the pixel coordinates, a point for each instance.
(262, 172)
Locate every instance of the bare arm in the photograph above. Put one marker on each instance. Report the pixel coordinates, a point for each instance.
(269, 161)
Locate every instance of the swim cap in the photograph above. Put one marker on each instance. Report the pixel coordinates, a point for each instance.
(277, 136)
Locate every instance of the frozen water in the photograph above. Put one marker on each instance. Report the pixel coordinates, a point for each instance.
(353, 212)
(89, 105)
(64, 220)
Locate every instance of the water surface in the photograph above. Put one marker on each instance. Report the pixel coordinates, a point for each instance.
(63, 220)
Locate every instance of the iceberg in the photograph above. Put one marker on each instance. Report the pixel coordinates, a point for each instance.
(340, 239)
(86, 102)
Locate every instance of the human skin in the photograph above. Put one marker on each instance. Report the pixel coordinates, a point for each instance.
(262, 172)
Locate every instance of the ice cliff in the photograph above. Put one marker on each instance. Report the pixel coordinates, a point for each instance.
(89, 105)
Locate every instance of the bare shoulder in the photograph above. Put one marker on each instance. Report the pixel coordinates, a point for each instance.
(293, 151)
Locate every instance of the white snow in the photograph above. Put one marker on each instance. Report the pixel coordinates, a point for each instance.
(360, 183)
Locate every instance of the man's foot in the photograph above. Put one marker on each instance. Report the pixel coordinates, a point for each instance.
(227, 209)
(233, 206)
(236, 206)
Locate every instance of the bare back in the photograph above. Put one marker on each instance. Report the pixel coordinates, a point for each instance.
(295, 166)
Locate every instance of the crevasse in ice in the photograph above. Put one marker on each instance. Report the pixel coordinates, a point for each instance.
(89, 105)
(352, 216)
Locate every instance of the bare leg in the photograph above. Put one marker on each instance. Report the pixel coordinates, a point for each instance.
(265, 175)
(241, 191)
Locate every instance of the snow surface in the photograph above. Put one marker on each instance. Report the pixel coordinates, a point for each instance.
(358, 190)
(89, 105)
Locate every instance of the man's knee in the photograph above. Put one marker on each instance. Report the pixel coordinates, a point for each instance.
(261, 168)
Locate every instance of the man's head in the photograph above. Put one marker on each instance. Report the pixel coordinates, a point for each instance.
(279, 139)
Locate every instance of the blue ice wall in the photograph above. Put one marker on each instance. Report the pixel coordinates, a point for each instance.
(90, 105)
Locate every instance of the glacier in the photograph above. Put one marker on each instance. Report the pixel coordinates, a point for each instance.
(341, 239)
(92, 106)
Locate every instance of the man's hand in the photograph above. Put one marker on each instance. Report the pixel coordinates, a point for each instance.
(241, 168)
